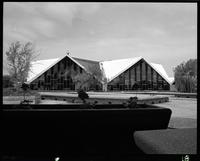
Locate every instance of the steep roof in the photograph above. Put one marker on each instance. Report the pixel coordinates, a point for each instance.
(39, 67)
(171, 79)
(159, 68)
(114, 68)
(111, 69)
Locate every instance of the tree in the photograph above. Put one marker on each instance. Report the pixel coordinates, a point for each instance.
(19, 57)
(186, 76)
(90, 78)
(25, 88)
(7, 82)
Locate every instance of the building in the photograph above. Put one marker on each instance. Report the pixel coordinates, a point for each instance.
(122, 74)
(172, 85)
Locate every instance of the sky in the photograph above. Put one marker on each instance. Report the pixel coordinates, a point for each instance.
(163, 33)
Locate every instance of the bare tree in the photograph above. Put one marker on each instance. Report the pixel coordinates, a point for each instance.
(90, 77)
(19, 57)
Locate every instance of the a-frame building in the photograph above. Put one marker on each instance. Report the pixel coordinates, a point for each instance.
(122, 74)
(138, 74)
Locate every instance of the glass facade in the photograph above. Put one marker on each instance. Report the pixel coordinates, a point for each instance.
(58, 77)
(140, 76)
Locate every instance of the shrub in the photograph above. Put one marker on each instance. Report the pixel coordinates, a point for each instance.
(82, 95)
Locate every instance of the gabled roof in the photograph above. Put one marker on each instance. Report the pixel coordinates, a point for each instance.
(88, 64)
(171, 79)
(40, 66)
(114, 68)
(111, 69)
(77, 62)
(159, 68)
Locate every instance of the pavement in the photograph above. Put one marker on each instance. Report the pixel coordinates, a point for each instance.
(182, 107)
(184, 110)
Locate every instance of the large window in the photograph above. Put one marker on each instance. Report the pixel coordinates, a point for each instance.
(126, 78)
(52, 70)
(81, 70)
(69, 63)
(149, 73)
(160, 82)
(138, 73)
(154, 76)
(143, 71)
(65, 64)
(75, 67)
(55, 75)
(132, 76)
(58, 66)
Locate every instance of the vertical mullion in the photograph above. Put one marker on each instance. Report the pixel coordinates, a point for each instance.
(157, 79)
(146, 67)
(129, 85)
(151, 77)
(140, 74)
(135, 74)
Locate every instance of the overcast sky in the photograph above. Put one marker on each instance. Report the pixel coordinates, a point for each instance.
(164, 33)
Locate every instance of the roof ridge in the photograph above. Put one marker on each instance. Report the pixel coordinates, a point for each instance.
(132, 62)
(92, 60)
(86, 60)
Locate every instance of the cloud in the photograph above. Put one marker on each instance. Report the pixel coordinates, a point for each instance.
(44, 20)
(154, 31)
(67, 12)
(37, 28)
(63, 12)
(89, 8)
(43, 27)
(14, 33)
(104, 30)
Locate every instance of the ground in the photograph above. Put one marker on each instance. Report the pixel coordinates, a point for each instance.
(184, 110)
(17, 99)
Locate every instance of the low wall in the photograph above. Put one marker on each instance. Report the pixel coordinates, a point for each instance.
(186, 95)
(76, 132)
(176, 94)
(108, 100)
